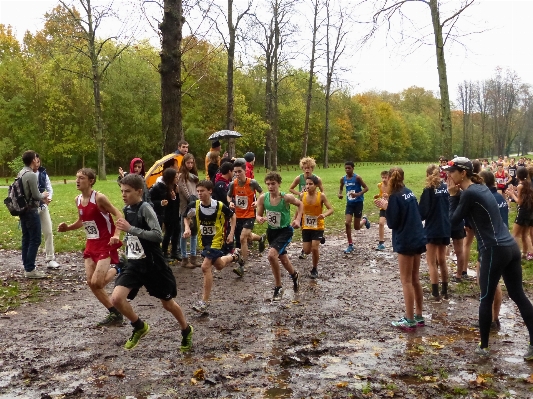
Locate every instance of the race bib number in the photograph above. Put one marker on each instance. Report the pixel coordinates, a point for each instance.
(512, 172)
(274, 219)
(351, 193)
(241, 202)
(134, 248)
(208, 230)
(91, 230)
(500, 180)
(311, 221)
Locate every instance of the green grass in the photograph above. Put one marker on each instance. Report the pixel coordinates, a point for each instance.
(11, 294)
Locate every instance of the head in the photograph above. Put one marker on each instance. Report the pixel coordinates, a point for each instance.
(183, 147)
(226, 170)
(204, 189)
(215, 146)
(214, 157)
(461, 171)
(485, 162)
(512, 161)
(385, 177)
(227, 159)
(349, 167)
(307, 164)
(488, 178)
(85, 178)
(30, 158)
(311, 183)
(500, 166)
(249, 157)
(432, 176)
(396, 180)
(170, 176)
(137, 166)
(522, 173)
(37, 164)
(131, 187)
(273, 181)
(188, 165)
(239, 168)
(443, 161)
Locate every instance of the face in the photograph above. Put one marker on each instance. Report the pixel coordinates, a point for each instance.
(239, 173)
(184, 149)
(455, 175)
(189, 164)
(82, 182)
(130, 196)
(384, 178)
(37, 162)
(203, 193)
(310, 186)
(272, 186)
(348, 169)
(137, 168)
(500, 168)
(308, 170)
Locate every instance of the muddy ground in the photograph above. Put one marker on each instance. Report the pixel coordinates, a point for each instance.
(331, 340)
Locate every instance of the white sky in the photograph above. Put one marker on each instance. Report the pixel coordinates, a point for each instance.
(382, 65)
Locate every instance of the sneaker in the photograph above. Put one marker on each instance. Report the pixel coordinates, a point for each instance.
(239, 270)
(295, 281)
(314, 273)
(349, 250)
(529, 256)
(380, 247)
(457, 279)
(405, 324)
(136, 335)
(35, 274)
(201, 307)
(495, 325)
(482, 352)
(278, 294)
(186, 340)
(112, 319)
(529, 354)
(444, 296)
(52, 265)
(420, 322)
(302, 255)
(435, 299)
(367, 222)
(262, 243)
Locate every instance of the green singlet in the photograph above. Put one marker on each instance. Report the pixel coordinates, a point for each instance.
(278, 216)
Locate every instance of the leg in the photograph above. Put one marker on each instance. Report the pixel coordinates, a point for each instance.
(315, 244)
(46, 226)
(382, 222)
(120, 302)
(517, 234)
(166, 237)
(284, 259)
(176, 311)
(357, 223)
(96, 277)
(31, 238)
(245, 235)
(256, 237)
(208, 278)
(497, 304)
(431, 258)
(273, 255)
(306, 247)
(406, 277)
(183, 242)
(417, 287)
(441, 260)
(348, 226)
(462, 257)
(25, 243)
(467, 246)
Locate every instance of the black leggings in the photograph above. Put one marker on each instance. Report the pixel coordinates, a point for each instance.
(172, 235)
(503, 262)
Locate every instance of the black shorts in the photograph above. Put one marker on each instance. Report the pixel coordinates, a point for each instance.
(245, 223)
(279, 239)
(414, 252)
(382, 213)
(159, 281)
(458, 234)
(439, 241)
(309, 235)
(213, 254)
(523, 217)
(355, 209)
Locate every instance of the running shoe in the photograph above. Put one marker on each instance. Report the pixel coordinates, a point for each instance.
(349, 250)
(482, 352)
(186, 340)
(295, 281)
(201, 307)
(420, 322)
(118, 267)
(52, 265)
(136, 335)
(435, 299)
(367, 222)
(529, 256)
(529, 354)
(405, 324)
(444, 296)
(239, 270)
(262, 243)
(314, 273)
(380, 247)
(302, 255)
(112, 319)
(278, 294)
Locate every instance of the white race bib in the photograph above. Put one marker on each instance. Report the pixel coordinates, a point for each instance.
(208, 230)
(241, 202)
(274, 219)
(311, 221)
(351, 194)
(134, 248)
(91, 229)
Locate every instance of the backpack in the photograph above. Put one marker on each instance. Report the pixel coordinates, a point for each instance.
(16, 201)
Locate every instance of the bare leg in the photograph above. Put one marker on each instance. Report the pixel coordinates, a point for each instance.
(348, 226)
(316, 255)
(406, 277)
(441, 260)
(417, 287)
(462, 263)
(245, 235)
(431, 259)
(176, 311)
(120, 302)
(96, 279)
(467, 246)
(382, 222)
(284, 259)
(306, 247)
(274, 264)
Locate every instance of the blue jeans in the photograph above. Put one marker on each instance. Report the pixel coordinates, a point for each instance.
(183, 241)
(30, 224)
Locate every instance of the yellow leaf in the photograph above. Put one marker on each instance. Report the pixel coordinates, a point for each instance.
(436, 345)
(530, 379)
(342, 384)
(199, 374)
(194, 381)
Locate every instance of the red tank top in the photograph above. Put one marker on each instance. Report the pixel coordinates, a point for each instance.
(500, 179)
(98, 225)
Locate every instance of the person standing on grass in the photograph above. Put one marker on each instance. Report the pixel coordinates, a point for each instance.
(146, 265)
(103, 240)
(355, 190)
(280, 229)
(409, 241)
(383, 187)
(523, 196)
(30, 222)
(43, 181)
(499, 252)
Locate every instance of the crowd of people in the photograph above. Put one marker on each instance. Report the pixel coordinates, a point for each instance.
(168, 215)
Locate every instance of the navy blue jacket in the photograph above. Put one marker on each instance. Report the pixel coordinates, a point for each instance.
(435, 210)
(502, 204)
(41, 181)
(403, 218)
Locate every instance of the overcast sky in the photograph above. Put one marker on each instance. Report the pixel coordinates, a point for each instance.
(504, 41)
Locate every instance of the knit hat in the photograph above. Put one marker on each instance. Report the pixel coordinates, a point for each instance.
(249, 156)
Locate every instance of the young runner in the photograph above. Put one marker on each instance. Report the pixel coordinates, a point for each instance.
(383, 187)
(146, 265)
(95, 216)
(500, 255)
(313, 220)
(502, 178)
(462, 261)
(355, 190)
(524, 218)
(511, 170)
(241, 197)
(280, 229)
(409, 241)
(211, 216)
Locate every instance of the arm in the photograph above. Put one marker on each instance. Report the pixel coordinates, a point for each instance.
(104, 204)
(255, 185)
(34, 188)
(363, 184)
(393, 212)
(62, 227)
(189, 213)
(294, 183)
(329, 208)
(230, 196)
(260, 210)
(424, 204)
(340, 188)
(296, 202)
(516, 196)
(320, 185)
(149, 216)
(49, 188)
(232, 223)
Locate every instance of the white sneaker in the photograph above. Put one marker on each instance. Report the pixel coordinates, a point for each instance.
(53, 265)
(35, 274)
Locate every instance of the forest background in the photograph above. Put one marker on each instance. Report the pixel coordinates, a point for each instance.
(47, 101)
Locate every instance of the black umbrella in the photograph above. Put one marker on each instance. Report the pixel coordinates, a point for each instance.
(224, 134)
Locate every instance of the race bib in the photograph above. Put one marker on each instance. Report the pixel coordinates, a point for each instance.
(351, 194)
(273, 219)
(241, 202)
(512, 172)
(134, 248)
(311, 221)
(500, 180)
(91, 230)
(208, 230)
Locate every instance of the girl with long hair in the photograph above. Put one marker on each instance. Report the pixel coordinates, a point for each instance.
(187, 179)
(523, 196)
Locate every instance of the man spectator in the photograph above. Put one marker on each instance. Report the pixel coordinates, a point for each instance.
(183, 148)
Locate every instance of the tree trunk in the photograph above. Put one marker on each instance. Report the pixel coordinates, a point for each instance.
(170, 70)
(326, 127)
(230, 101)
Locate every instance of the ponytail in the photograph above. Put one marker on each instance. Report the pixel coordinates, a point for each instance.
(432, 176)
(476, 179)
(396, 180)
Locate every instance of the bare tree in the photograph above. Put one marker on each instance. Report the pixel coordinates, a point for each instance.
(482, 108)
(466, 100)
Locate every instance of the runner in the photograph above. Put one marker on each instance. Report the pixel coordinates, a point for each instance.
(241, 197)
(313, 220)
(280, 229)
(146, 265)
(523, 196)
(502, 178)
(211, 216)
(95, 211)
(355, 190)
(511, 170)
(464, 256)
(409, 241)
(383, 187)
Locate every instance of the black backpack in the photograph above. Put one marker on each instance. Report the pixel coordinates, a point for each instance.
(16, 201)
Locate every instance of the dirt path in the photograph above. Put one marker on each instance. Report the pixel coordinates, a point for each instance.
(331, 340)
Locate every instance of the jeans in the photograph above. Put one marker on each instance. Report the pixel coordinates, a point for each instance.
(193, 238)
(30, 224)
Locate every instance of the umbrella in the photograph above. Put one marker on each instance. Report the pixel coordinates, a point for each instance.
(224, 134)
(157, 168)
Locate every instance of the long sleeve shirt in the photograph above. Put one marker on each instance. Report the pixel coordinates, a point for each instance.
(434, 209)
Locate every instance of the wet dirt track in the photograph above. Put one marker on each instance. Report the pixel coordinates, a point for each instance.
(333, 339)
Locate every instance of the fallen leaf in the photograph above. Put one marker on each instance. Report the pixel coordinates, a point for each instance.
(436, 345)
(66, 307)
(530, 379)
(199, 374)
(342, 384)
(390, 394)
(118, 373)
(479, 380)
(194, 381)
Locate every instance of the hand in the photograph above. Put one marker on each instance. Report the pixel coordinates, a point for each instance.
(321, 216)
(121, 172)
(164, 202)
(173, 195)
(254, 204)
(114, 240)
(187, 233)
(122, 224)
(296, 223)
(339, 196)
(45, 195)
(62, 227)
(261, 219)
(381, 203)
(229, 238)
(47, 200)
(231, 205)
(453, 189)
(385, 196)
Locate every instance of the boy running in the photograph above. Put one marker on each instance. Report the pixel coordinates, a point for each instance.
(313, 220)
(211, 216)
(383, 187)
(146, 264)
(355, 190)
(95, 211)
(280, 229)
